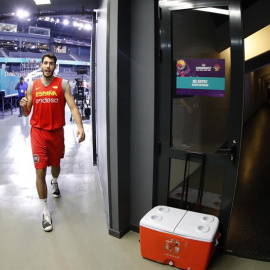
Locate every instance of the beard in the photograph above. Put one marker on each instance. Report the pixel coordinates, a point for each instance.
(48, 76)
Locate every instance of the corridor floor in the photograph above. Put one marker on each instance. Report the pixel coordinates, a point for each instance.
(80, 239)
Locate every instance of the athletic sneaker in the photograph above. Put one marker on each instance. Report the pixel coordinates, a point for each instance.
(47, 223)
(55, 190)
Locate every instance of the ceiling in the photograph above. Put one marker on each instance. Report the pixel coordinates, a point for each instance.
(9, 6)
(78, 9)
(59, 6)
(247, 3)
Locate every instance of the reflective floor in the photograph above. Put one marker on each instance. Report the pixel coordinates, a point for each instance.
(80, 239)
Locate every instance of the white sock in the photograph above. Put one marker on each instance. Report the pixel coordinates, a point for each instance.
(54, 180)
(44, 206)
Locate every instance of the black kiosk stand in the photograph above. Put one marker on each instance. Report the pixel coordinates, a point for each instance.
(80, 100)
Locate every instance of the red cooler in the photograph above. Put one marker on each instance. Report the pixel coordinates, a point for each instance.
(178, 237)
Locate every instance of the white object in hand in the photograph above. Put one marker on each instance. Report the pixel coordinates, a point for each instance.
(78, 138)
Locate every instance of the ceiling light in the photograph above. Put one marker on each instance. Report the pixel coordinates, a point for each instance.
(175, 5)
(80, 25)
(166, 3)
(87, 26)
(42, 2)
(22, 14)
(214, 10)
(66, 22)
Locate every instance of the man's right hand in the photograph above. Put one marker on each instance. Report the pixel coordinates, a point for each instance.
(24, 100)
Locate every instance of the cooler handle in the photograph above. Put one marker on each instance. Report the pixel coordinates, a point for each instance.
(218, 236)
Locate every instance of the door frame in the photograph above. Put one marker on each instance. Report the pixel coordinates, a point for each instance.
(163, 111)
(93, 88)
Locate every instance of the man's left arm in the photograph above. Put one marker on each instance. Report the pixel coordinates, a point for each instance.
(75, 113)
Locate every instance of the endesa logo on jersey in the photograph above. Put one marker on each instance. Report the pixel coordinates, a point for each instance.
(47, 97)
(47, 100)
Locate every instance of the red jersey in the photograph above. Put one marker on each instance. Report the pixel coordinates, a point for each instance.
(48, 105)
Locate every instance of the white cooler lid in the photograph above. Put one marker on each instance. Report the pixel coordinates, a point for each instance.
(198, 226)
(163, 218)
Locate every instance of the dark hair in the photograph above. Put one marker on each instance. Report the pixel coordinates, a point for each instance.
(51, 56)
(21, 78)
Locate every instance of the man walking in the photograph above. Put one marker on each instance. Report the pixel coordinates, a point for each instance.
(21, 86)
(48, 96)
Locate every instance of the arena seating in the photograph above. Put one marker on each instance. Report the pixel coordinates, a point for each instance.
(63, 56)
(70, 76)
(25, 55)
(85, 58)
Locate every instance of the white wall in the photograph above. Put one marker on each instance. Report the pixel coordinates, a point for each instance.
(113, 115)
(101, 101)
(142, 108)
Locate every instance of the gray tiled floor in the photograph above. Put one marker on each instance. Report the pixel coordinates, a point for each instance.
(80, 239)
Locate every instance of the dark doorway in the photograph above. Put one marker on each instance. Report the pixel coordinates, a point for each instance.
(249, 234)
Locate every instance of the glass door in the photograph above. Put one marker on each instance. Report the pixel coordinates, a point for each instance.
(200, 106)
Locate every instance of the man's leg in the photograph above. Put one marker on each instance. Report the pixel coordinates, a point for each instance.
(42, 193)
(20, 108)
(55, 170)
(56, 148)
(41, 183)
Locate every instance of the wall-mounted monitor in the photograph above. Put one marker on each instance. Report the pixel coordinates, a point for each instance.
(46, 32)
(6, 27)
